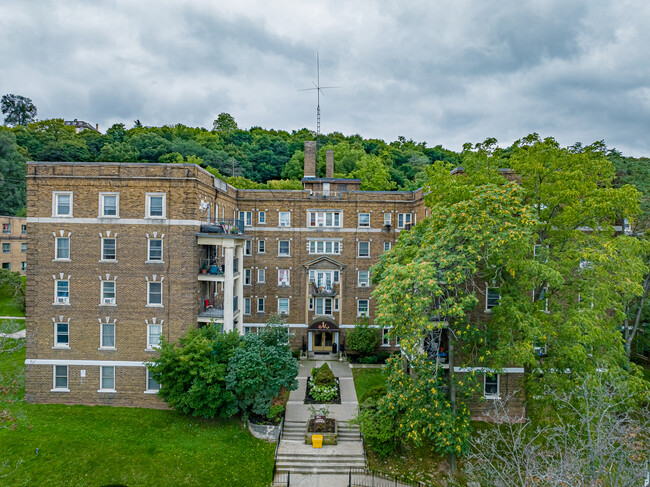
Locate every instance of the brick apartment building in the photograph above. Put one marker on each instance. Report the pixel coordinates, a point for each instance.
(13, 243)
(121, 254)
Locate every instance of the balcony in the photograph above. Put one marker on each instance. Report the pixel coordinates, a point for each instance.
(214, 270)
(211, 309)
(223, 226)
(323, 291)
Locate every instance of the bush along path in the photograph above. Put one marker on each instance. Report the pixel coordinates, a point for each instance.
(330, 464)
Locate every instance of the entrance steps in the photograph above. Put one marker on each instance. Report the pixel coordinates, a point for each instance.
(323, 356)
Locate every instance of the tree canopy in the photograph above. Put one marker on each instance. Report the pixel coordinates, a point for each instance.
(19, 110)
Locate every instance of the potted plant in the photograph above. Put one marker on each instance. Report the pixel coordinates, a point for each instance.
(204, 267)
(320, 424)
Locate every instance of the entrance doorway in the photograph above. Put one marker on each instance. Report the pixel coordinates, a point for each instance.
(322, 341)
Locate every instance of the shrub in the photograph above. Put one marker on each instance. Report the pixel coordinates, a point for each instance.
(275, 413)
(382, 357)
(324, 376)
(363, 338)
(296, 354)
(373, 393)
(368, 359)
(379, 424)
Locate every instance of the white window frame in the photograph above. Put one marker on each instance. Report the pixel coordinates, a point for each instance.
(147, 389)
(149, 303)
(387, 221)
(359, 250)
(385, 337)
(326, 219)
(6, 247)
(149, 259)
(402, 219)
(6, 228)
(148, 214)
(107, 300)
(55, 204)
(23, 229)
(284, 219)
(248, 248)
(321, 305)
(58, 344)
(103, 345)
(248, 277)
(387, 246)
(361, 313)
(103, 256)
(23, 247)
(260, 309)
(489, 307)
(325, 247)
(61, 299)
(247, 217)
(56, 388)
(261, 246)
(311, 304)
(102, 205)
(288, 254)
(102, 370)
(150, 335)
(261, 276)
(363, 224)
(247, 306)
(56, 249)
(491, 395)
(363, 282)
(23, 266)
(286, 281)
(261, 217)
(283, 310)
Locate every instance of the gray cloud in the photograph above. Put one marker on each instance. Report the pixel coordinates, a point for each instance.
(442, 72)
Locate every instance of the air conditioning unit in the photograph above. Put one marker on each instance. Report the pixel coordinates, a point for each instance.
(284, 312)
(109, 300)
(363, 284)
(61, 300)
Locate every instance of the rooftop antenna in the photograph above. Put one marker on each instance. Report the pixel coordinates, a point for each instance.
(319, 90)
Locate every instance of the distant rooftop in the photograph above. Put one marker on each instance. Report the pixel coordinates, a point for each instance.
(80, 125)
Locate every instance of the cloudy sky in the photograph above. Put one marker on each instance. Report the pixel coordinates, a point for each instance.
(444, 71)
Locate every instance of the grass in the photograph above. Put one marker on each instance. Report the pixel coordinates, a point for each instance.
(7, 306)
(365, 379)
(99, 445)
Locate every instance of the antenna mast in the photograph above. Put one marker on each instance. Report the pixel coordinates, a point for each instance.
(319, 89)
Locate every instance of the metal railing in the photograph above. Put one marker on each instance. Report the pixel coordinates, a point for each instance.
(364, 477)
(326, 290)
(225, 226)
(276, 474)
(281, 479)
(326, 194)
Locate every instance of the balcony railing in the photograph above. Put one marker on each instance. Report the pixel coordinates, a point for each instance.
(326, 290)
(326, 194)
(224, 226)
(217, 268)
(211, 308)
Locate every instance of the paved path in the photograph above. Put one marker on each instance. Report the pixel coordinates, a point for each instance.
(12, 317)
(18, 334)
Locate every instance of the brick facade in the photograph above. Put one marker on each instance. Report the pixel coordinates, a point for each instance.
(13, 240)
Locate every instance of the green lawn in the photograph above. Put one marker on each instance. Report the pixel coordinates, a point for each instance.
(94, 446)
(365, 379)
(7, 307)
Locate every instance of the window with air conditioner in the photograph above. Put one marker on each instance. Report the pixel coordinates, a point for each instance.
(108, 293)
(62, 292)
(153, 336)
(364, 249)
(363, 306)
(387, 218)
(283, 306)
(364, 220)
(284, 219)
(283, 277)
(364, 278)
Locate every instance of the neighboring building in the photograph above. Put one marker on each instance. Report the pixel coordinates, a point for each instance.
(121, 254)
(80, 125)
(13, 243)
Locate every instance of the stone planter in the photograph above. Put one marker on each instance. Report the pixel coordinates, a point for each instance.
(268, 432)
(328, 438)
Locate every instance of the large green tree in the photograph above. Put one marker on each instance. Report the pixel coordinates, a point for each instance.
(12, 175)
(19, 110)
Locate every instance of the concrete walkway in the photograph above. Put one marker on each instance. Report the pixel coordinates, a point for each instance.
(18, 334)
(326, 466)
(12, 317)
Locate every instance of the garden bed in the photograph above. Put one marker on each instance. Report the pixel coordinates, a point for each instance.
(310, 400)
(328, 430)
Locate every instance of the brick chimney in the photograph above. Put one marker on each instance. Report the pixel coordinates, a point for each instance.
(329, 163)
(310, 159)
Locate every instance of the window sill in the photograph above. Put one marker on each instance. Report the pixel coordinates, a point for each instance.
(154, 306)
(154, 261)
(59, 390)
(61, 260)
(107, 391)
(492, 397)
(61, 304)
(105, 304)
(61, 216)
(261, 253)
(155, 349)
(154, 217)
(150, 392)
(61, 347)
(284, 256)
(363, 256)
(261, 282)
(385, 344)
(108, 217)
(108, 349)
(108, 261)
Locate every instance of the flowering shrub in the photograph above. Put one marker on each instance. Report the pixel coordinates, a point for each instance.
(324, 393)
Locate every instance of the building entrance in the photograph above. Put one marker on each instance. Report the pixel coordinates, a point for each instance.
(322, 341)
(323, 336)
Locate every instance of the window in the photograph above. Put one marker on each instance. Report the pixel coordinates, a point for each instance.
(284, 248)
(247, 277)
(387, 218)
(541, 296)
(385, 337)
(261, 218)
(108, 249)
(23, 247)
(364, 278)
(311, 304)
(324, 278)
(362, 307)
(326, 306)
(61, 377)
(284, 219)
(62, 203)
(261, 246)
(283, 277)
(109, 205)
(62, 248)
(386, 246)
(6, 265)
(248, 248)
(364, 219)
(491, 386)
(492, 297)
(156, 205)
(324, 218)
(108, 335)
(155, 250)
(23, 266)
(6, 248)
(260, 305)
(108, 292)
(106, 379)
(364, 249)
(152, 384)
(153, 336)
(246, 217)
(247, 306)
(404, 220)
(154, 294)
(283, 306)
(261, 275)
(61, 335)
(62, 292)
(324, 247)
(23, 229)
(6, 228)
